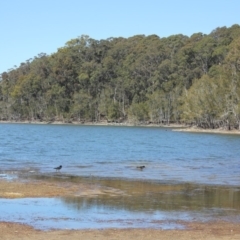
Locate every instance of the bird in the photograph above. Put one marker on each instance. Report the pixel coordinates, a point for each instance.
(141, 167)
(58, 168)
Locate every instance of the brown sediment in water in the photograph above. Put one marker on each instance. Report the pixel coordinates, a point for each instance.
(52, 188)
(45, 186)
(18, 189)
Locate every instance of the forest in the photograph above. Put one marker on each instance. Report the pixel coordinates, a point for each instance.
(141, 80)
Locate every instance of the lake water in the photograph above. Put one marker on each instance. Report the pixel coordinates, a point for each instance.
(108, 151)
(187, 176)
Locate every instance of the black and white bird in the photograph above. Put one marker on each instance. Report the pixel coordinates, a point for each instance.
(58, 168)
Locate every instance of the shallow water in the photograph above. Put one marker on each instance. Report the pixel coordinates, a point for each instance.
(126, 204)
(187, 176)
(108, 151)
(45, 214)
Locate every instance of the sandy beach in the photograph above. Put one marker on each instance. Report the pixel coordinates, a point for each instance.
(210, 231)
(41, 188)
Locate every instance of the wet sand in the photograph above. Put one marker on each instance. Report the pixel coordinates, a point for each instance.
(42, 188)
(211, 231)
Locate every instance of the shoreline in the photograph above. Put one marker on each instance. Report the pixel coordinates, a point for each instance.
(215, 131)
(194, 230)
(174, 127)
(18, 189)
(101, 123)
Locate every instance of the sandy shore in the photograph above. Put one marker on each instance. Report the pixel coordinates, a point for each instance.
(210, 231)
(199, 130)
(42, 188)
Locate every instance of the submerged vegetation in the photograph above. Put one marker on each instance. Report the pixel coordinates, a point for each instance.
(141, 79)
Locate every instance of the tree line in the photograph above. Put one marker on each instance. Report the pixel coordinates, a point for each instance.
(141, 79)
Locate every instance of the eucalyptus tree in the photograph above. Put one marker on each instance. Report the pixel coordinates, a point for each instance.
(140, 78)
(232, 63)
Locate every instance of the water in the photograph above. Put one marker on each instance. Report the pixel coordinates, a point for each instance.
(107, 151)
(187, 176)
(144, 205)
(46, 214)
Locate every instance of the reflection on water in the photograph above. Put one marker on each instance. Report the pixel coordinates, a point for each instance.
(155, 195)
(136, 204)
(151, 196)
(47, 213)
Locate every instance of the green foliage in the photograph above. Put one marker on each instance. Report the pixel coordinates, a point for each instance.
(138, 112)
(140, 79)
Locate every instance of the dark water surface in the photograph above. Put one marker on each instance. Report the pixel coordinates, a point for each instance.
(188, 176)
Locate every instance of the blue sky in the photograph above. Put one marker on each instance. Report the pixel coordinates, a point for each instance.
(30, 27)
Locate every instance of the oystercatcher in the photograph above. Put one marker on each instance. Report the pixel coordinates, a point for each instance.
(58, 168)
(141, 167)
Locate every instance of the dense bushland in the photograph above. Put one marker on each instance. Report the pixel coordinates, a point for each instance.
(141, 79)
